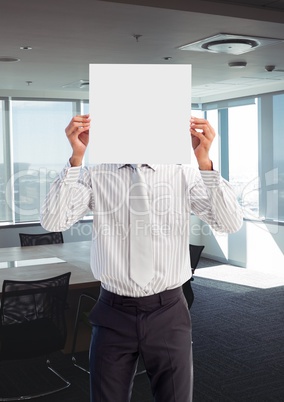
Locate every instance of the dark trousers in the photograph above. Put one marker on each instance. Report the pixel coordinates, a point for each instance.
(156, 327)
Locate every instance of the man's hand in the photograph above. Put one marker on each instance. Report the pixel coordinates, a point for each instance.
(202, 136)
(77, 133)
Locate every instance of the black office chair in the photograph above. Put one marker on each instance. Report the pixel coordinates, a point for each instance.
(32, 323)
(81, 316)
(28, 239)
(195, 254)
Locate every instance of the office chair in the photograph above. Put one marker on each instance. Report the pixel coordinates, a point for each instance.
(195, 254)
(32, 323)
(83, 316)
(27, 239)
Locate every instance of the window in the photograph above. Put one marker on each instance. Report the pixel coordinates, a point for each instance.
(247, 150)
(40, 150)
(275, 178)
(243, 156)
(3, 209)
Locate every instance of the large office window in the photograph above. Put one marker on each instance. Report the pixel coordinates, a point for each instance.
(278, 158)
(40, 150)
(2, 180)
(271, 151)
(248, 151)
(243, 156)
(3, 209)
(235, 148)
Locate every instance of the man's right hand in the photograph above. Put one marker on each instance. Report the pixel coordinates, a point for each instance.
(77, 133)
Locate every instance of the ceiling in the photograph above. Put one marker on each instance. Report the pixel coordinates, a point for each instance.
(67, 35)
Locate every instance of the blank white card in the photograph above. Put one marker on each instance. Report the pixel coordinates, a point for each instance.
(140, 113)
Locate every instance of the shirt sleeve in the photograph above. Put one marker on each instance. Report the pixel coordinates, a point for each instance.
(214, 201)
(69, 199)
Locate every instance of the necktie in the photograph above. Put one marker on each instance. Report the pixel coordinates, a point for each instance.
(141, 253)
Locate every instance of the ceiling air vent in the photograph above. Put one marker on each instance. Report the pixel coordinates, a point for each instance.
(229, 43)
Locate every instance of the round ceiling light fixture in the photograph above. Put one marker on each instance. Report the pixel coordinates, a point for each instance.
(230, 46)
(237, 64)
(6, 59)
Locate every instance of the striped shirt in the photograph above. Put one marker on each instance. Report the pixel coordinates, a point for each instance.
(174, 192)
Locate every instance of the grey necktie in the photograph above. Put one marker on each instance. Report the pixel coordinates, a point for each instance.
(141, 250)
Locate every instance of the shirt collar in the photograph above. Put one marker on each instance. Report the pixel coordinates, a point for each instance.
(152, 166)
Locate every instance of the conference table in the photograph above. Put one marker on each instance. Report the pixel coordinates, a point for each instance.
(45, 261)
(39, 262)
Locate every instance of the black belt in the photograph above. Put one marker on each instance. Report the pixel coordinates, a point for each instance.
(158, 298)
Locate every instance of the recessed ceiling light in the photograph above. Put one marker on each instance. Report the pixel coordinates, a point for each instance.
(269, 68)
(237, 64)
(26, 48)
(6, 59)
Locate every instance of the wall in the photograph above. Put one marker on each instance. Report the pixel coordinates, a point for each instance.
(257, 246)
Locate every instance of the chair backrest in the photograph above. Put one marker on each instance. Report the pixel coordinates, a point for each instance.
(32, 316)
(27, 239)
(195, 254)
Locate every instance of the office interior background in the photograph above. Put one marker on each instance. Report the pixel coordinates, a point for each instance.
(236, 49)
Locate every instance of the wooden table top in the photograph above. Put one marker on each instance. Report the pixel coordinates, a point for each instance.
(69, 257)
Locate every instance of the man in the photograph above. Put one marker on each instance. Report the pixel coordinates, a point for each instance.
(133, 318)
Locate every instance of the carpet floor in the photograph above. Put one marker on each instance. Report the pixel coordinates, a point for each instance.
(238, 345)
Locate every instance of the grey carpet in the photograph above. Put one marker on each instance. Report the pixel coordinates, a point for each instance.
(238, 344)
(238, 341)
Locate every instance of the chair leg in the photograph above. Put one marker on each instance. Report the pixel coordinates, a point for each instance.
(76, 328)
(140, 372)
(143, 371)
(33, 396)
(74, 361)
(67, 383)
